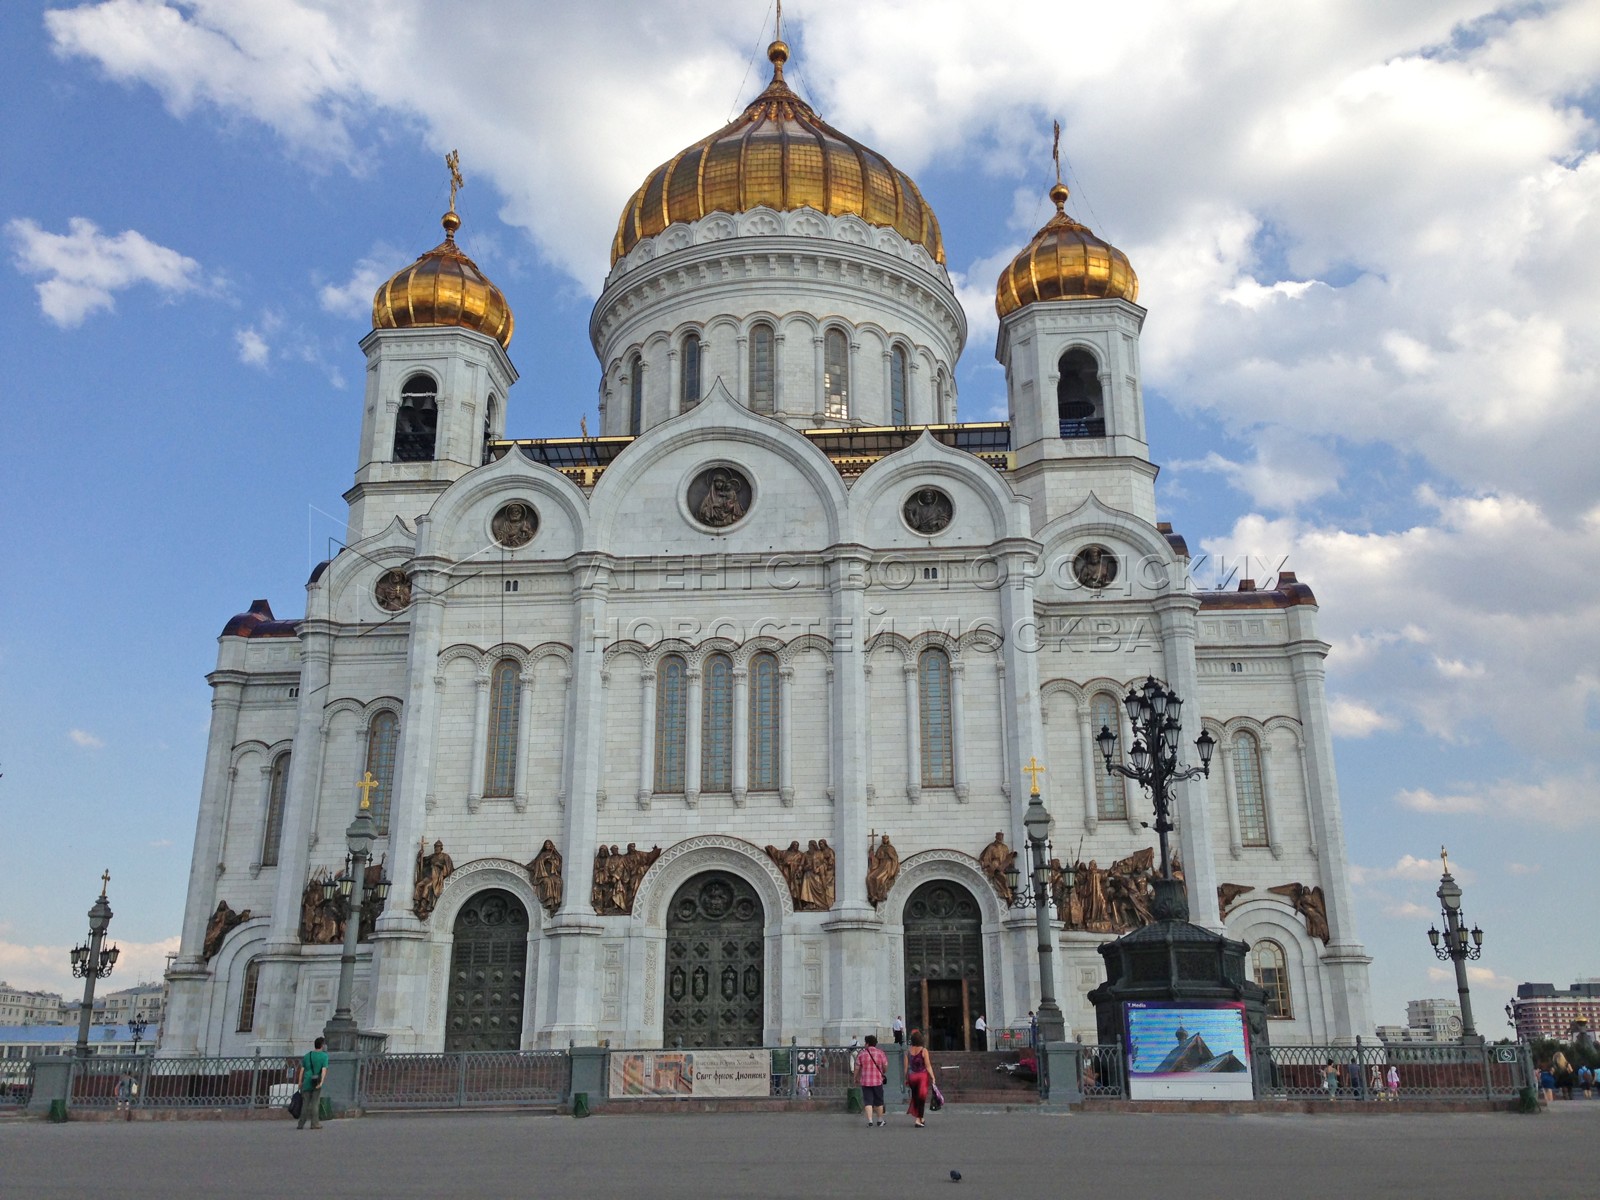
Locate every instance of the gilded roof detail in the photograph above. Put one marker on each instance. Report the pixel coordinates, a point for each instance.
(443, 287)
(1065, 261)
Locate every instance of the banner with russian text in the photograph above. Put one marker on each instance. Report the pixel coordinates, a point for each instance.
(690, 1073)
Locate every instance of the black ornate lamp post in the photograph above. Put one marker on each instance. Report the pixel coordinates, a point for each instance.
(1458, 945)
(1052, 1025)
(136, 1028)
(92, 961)
(352, 888)
(1154, 713)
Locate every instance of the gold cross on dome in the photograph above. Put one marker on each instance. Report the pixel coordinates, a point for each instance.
(1444, 860)
(366, 783)
(1033, 770)
(105, 882)
(1055, 151)
(453, 161)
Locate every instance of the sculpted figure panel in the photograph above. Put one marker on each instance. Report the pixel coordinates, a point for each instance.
(545, 874)
(995, 859)
(392, 592)
(883, 868)
(432, 870)
(617, 874)
(1310, 904)
(222, 923)
(809, 874)
(719, 496)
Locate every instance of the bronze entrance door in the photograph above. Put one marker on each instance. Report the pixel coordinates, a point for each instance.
(715, 950)
(488, 967)
(944, 963)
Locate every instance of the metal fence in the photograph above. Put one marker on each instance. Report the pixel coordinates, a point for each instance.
(1437, 1070)
(467, 1079)
(143, 1081)
(16, 1082)
(813, 1072)
(1100, 1072)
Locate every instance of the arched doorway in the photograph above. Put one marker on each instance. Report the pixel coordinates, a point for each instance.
(715, 951)
(488, 970)
(944, 963)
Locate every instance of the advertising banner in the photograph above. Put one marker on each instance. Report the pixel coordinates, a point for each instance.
(691, 1073)
(1187, 1052)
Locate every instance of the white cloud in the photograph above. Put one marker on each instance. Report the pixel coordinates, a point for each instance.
(353, 297)
(1422, 800)
(49, 968)
(1519, 869)
(1353, 719)
(1569, 801)
(253, 349)
(85, 267)
(1479, 976)
(85, 739)
(1408, 910)
(1286, 473)
(1407, 866)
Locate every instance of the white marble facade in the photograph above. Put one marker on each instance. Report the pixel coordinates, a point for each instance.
(824, 572)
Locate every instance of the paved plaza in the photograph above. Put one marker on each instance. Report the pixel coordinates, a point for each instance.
(711, 1157)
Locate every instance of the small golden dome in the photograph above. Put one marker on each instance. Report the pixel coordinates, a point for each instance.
(443, 287)
(778, 154)
(1065, 261)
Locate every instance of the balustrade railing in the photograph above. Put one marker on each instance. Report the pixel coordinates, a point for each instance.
(1421, 1070)
(465, 1079)
(16, 1082)
(144, 1081)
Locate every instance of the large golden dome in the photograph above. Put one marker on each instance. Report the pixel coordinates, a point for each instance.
(1065, 261)
(443, 287)
(778, 154)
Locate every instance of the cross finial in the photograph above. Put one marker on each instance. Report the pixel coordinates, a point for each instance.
(1055, 151)
(778, 24)
(105, 882)
(1033, 770)
(453, 161)
(366, 783)
(1444, 859)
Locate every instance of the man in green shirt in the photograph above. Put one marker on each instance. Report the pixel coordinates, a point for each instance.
(313, 1068)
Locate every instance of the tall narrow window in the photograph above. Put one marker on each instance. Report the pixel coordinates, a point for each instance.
(416, 424)
(763, 369)
(716, 725)
(247, 996)
(1111, 798)
(933, 697)
(897, 386)
(636, 395)
(940, 401)
(488, 424)
(1078, 396)
(764, 717)
(671, 700)
(1266, 957)
(1251, 799)
(382, 739)
(836, 374)
(505, 695)
(693, 358)
(277, 796)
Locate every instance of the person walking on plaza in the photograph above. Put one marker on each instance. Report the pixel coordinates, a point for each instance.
(919, 1078)
(1393, 1080)
(872, 1068)
(898, 1028)
(313, 1068)
(980, 1027)
(1330, 1079)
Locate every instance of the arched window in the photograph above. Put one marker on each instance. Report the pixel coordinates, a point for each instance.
(693, 360)
(636, 395)
(897, 386)
(671, 700)
(505, 695)
(1252, 801)
(489, 407)
(277, 796)
(1110, 797)
(933, 698)
(939, 406)
(763, 368)
(247, 996)
(836, 374)
(382, 740)
(764, 717)
(1266, 957)
(716, 724)
(1078, 396)
(416, 424)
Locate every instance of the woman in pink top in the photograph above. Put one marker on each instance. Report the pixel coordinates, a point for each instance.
(919, 1077)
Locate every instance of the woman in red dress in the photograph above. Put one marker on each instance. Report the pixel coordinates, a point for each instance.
(919, 1077)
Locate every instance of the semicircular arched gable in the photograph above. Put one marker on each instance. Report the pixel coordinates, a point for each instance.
(710, 852)
(952, 866)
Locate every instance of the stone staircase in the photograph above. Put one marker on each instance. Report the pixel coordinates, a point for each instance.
(976, 1078)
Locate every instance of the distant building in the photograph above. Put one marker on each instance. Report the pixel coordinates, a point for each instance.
(38, 1041)
(19, 1007)
(1542, 1010)
(1433, 1020)
(148, 1001)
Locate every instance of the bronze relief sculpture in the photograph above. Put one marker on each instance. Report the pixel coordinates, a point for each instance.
(719, 496)
(432, 870)
(1310, 904)
(1110, 899)
(321, 923)
(392, 592)
(545, 873)
(222, 923)
(883, 868)
(617, 875)
(995, 859)
(514, 525)
(1094, 567)
(1228, 895)
(928, 510)
(809, 874)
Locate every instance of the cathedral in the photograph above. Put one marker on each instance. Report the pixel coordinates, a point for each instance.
(714, 728)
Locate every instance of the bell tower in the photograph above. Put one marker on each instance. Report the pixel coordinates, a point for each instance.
(437, 381)
(1069, 342)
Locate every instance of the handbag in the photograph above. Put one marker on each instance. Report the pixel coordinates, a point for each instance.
(936, 1098)
(297, 1104)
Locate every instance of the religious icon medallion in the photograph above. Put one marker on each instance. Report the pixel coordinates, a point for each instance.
(719, 496)
(1094, 567)
(514, 525)
(392, 592)
(928, 510)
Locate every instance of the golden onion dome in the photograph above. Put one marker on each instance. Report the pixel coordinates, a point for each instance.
(1065, 261)
(443, 287)
(778, 154)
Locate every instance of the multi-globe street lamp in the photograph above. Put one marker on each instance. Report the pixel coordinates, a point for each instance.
(1455, 943)
(136, 1029)
(1154, 713)
(1052, 1024)
(351, 887)
(93, 961)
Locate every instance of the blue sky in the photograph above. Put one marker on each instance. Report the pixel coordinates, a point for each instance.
(1365, 234)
